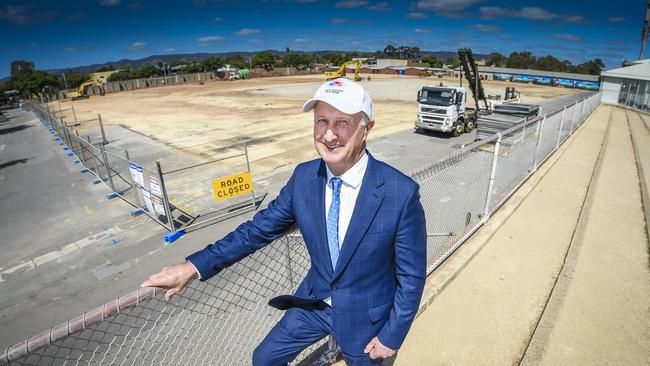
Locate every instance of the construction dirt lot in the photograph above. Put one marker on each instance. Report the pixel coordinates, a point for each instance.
(208, 121)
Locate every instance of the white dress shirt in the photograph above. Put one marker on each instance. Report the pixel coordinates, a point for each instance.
(350, 188)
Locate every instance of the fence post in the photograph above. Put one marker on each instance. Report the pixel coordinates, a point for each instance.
(248, 167)
(493, 173)
(135, 188)
(74, 114)
(81, 149)
(101, 128)
(90, 146)
(108, 168)
(540, 129)
(170, 219)
(559, 131)
(573, 117)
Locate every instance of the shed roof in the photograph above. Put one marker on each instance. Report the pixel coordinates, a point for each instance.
(551, 74)
(639, 71)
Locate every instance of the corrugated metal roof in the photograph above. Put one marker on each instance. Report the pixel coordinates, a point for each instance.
(640, 71)
(550, 74)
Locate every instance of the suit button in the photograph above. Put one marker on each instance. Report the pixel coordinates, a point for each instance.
(333, 287)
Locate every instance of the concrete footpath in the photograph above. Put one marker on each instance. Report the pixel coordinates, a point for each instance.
(561, 274)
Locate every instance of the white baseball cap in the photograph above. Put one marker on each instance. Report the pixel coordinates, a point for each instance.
(343, 94)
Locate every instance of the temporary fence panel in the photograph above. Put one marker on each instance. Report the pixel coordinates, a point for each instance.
(207, 191)
(220, 322)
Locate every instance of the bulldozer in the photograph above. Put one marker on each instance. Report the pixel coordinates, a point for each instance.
(81, 90)
(330, 75)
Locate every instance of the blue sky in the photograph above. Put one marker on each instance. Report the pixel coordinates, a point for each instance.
(65, 33)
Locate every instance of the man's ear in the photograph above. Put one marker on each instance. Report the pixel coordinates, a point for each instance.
(369, 127)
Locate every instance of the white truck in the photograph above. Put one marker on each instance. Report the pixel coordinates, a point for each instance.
(442, 108)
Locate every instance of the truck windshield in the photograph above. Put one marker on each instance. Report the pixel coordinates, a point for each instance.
(436, 97)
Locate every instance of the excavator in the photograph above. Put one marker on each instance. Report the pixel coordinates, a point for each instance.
(81, 90)
(330, 75)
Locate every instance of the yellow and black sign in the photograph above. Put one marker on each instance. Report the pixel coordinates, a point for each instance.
(232, 186)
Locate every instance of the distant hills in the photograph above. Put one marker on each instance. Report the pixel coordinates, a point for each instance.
(167, 58)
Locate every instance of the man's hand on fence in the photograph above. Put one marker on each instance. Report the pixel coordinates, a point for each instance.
(173, 278)
(376, 350)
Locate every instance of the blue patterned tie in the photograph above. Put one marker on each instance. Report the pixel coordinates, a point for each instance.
(333, 221)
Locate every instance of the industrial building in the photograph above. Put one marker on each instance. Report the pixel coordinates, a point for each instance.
(629, 86)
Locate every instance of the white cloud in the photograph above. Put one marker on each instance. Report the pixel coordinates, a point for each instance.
(616, 19)
(485, 28)
(302, 40)
(379, 7)
(170, 49)
(137, 46)
(70, 49)
(422, 30)
(217, 19)
(415, 15)
(569, 37)
(248, 31)
(348, 4)
(532, 13)
(339, 20)
(109, 2)
(210, 39)
(447, 8)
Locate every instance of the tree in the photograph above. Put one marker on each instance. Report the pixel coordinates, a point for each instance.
(453, 62)
(550, 63)
(593, 67)
(298, 60)
(432, 61)
(389, 51)
(521, 60)
(236, 61)
(21, 68)
(264, 59)
(212, 63)
(29, 81)
(105, 68)
(74, 79)
(496, 59)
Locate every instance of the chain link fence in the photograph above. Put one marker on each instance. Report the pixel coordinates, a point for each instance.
(190, 200)
(220, 322)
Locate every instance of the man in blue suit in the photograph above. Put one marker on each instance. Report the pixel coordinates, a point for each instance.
(364, 228)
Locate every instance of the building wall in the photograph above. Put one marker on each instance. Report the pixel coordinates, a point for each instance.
(611, 88)
(387, 62)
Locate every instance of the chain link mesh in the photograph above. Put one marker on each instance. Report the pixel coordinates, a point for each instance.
(220, 322)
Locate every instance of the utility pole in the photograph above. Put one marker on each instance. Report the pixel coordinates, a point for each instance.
(66, 83)
(645, 30)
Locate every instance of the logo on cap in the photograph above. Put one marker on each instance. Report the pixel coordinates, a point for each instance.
(335, 83)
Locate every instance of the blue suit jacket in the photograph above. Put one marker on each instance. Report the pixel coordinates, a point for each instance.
(379, 277)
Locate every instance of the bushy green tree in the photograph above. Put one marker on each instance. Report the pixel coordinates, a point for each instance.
(74, 79)
(212, 63)
(432, 61)
(521, 60)
(264, 59)
(236, 61)
(496, 59)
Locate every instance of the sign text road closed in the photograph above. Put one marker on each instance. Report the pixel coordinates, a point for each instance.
(232, 186)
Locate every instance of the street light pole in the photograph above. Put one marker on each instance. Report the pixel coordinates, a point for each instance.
(65, 83)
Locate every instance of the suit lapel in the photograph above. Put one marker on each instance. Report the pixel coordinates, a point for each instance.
(368, 203)
(317, 205)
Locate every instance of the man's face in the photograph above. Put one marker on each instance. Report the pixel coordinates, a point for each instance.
(339, 137)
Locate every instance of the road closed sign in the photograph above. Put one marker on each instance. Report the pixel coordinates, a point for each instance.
(232, 186)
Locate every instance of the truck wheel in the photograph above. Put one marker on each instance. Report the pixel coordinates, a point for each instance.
(458, 129)
(469, 126)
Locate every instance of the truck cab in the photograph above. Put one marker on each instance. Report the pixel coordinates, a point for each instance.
(442, 108)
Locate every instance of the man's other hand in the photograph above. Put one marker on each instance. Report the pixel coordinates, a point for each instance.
(376, 350)
(173, 278)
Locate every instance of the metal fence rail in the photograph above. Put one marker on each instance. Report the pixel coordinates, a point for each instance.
(219, 322)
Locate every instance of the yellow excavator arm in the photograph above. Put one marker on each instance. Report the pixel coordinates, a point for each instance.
(81, 90)
(329, 75)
